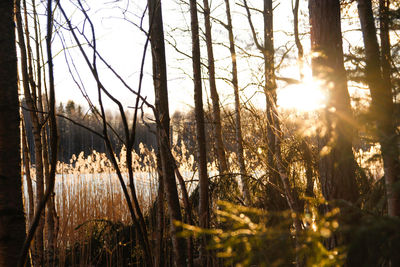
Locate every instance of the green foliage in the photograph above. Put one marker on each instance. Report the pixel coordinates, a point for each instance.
(249, 236)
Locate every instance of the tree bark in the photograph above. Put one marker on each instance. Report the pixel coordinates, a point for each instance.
(223, 167)
(200, 130)
(300, 50)
(12, 220)
(238, 123)
(27, 168)
(382, 103)
(267, 49)
(270, 83)
(337, 164)
(159, 251)
(162, 110)
(50, 207)
(30, 97)
(386, 57)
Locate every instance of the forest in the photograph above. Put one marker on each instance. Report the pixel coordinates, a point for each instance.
(199, 133)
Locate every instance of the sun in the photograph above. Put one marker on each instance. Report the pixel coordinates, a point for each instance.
(304, 97)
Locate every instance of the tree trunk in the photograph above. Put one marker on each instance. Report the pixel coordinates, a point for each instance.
(300, 51)
(200, 130)
(270, 83)
(12, 222)
(337, 164)
(27, 168)
(223, 167)
(28, 92)
(386, 57)
(50, 207)
(238, 129)
(159, 251)
(382, 103)
(162, 110)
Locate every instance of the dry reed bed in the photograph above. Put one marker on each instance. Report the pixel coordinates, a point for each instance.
(87, 188)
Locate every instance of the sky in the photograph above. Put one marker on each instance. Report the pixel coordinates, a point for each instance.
(121, 43)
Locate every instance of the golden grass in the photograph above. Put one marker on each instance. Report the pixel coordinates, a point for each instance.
(87, 187)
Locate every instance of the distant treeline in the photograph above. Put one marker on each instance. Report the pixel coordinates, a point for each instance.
(74, 139)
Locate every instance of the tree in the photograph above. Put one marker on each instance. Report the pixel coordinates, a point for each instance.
(382, 103)
(129, 132)
(270, 81)
(200, 130)
(32, 95)
(300, 50)
(337, 164)
(238, 123)
(223, 167)
(162, 112)
(12, 222)
(268, 52)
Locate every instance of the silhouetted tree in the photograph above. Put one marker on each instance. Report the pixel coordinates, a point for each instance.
(12, 222)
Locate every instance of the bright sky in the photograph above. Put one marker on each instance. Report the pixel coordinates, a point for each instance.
(121, 43)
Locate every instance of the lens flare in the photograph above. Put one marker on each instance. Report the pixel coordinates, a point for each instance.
(305, 97)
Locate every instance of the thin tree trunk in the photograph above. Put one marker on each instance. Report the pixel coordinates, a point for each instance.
(27, 167)
(159, 260)
(38, 257)
(188, 209)
(138, 212)
(307, 157)
(162, 110)
(386, 57)
(53, 143)
(273, 124)
(12, 223)
(200, 130)
(270, 86)
(238, 123)
(300, 51)
(223, 167)
(50, 208)
(382, 102)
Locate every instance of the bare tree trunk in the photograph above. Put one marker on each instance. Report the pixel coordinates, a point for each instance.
(273, 127)
(270, 86)
(238, 124)
(300, 51)
(27, 167)
(382, 103)
(50, 208)
(28, 92)
(223, 167)
(307, 157)
(337, 164)
(386, 57)
(159, 260)
(188, 209)
(12, 223)
(200, 131)
(162, 110)
(40, 207)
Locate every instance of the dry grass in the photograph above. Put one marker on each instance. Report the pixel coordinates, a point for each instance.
(88, 190)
